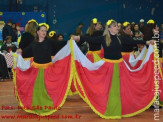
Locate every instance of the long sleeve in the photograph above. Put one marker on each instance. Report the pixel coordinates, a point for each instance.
(26, 39)
(130, 41)
(95, 46)
(55, 47)
(98, 40)
(27, 52)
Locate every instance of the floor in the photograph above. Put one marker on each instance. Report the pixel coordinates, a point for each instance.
(74, 110)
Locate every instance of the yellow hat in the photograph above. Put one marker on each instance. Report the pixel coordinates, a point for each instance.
(46, 25)
(109, 22)
(33, 20)
(51, 33)
(150, 21)
(125, 24)
(94, 20)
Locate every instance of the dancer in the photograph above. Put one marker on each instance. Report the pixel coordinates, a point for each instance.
(28, 36)
(40, 87)
(94, 30)
(109, 86)
(128, 49)
(108, 43)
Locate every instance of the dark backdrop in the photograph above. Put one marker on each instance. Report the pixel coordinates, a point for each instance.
(64, 15)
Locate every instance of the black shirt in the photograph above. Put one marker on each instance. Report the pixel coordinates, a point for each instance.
(113, 51)
(6, 31)
(95, 46)
(130, 46)
(26, 39)
(41, 51)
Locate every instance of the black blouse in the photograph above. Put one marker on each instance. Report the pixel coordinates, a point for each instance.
(113, 51)
(41, 51)
(128, 47)
(95, 46)
(26, 40)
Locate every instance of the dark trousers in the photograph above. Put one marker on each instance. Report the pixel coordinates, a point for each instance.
(3, 68)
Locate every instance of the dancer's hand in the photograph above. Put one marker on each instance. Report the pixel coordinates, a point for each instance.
(152, 42)
(19, 51)
(76, 38)
(156, 30)
(147, 42)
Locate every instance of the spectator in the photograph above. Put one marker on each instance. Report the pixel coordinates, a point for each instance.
(60, 37)
(119, 27)
(78, 30)
(136, 29)
(60, 41)
(8, 46)
(139, 47)
(28, 36)
(137, 36)
(83, 47)
(18, 33)
(132, 26)
(148, 30)
(141, 25)
(7, 30)
(14, 33)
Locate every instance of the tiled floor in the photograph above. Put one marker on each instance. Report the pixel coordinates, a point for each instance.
(74, 107)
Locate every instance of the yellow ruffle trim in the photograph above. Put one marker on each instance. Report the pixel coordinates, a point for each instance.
(28, 58)
(32, 58)
(16, 56)
(127, 53)
(161, 73)
(36, 65)
(92, 52)
(70, 93)
(113, 61)
(161, 60)
(160, 70)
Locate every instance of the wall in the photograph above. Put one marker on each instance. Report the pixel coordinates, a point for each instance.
(64, 15)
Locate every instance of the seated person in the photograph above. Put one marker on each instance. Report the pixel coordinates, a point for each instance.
(137, 36)
(140, 46)
(60, 41)
(8, 46)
